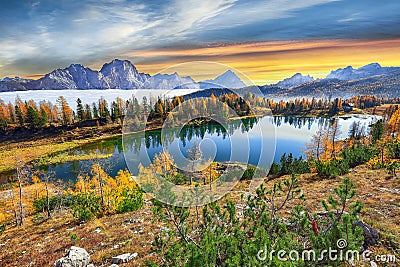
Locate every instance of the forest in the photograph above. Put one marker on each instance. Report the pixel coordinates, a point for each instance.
(34, 116)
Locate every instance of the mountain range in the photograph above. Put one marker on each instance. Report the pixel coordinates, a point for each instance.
(369, 70)
(117, 74)
(122, 74)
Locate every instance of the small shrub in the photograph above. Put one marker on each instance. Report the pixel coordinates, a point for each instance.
(288, 165)
(393, 148)
(357, 155)
(179, 179)
(249, 173)
(73, 237)
(275, 169)
(130, 200)
(375, 163)
(55, 202)
(86, 207)
(392, 167)
(82, 213)
(331, 168)
(37, 219)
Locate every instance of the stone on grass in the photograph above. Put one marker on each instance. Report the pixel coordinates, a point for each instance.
(371, 235)
(124, 258)
(76, 257)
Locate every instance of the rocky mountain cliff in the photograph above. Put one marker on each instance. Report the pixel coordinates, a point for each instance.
(294, 81)
(117, 74)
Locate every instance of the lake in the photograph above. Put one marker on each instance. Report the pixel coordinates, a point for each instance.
(291, 135)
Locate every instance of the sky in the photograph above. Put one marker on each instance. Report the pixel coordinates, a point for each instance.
(266, 40)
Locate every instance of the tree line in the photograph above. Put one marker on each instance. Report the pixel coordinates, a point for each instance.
(40, 115)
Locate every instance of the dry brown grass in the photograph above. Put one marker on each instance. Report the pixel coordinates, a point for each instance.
(41, 244)
(45, 242)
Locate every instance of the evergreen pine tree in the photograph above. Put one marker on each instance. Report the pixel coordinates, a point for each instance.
(32, 117)
(43, 117)
(19, 115)
(79, 109)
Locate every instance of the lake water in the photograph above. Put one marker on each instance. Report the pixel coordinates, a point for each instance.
(291, 136)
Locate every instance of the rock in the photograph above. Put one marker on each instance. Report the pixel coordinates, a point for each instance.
(113, 265)
(76, 257)
(368, 195)
(371, 235)
(391, 190)
(124, 258)
(130, 221)
(90, 265)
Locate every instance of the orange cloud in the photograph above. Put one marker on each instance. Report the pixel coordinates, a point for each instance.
(268, 62)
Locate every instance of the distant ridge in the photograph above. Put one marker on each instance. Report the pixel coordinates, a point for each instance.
(349, 73)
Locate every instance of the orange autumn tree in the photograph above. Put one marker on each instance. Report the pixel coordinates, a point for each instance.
(317, 147)
(65, 110)
(333, 145)
(112, 192)
(394, 122)
(325, 143)
(162, 165)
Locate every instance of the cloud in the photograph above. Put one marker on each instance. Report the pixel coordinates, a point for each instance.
(99, 28)
(352, 17)
(91, 31)
(248, 12)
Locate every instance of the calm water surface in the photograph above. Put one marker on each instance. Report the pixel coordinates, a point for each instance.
(291, 136)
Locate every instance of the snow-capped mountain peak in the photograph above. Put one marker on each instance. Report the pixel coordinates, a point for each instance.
(122, 74)
(296, 80)
(228, 79)
(371, 67)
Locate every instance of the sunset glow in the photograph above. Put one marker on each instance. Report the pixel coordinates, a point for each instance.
(268, 62)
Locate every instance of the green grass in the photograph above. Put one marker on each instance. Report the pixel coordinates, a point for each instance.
(29, 152)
